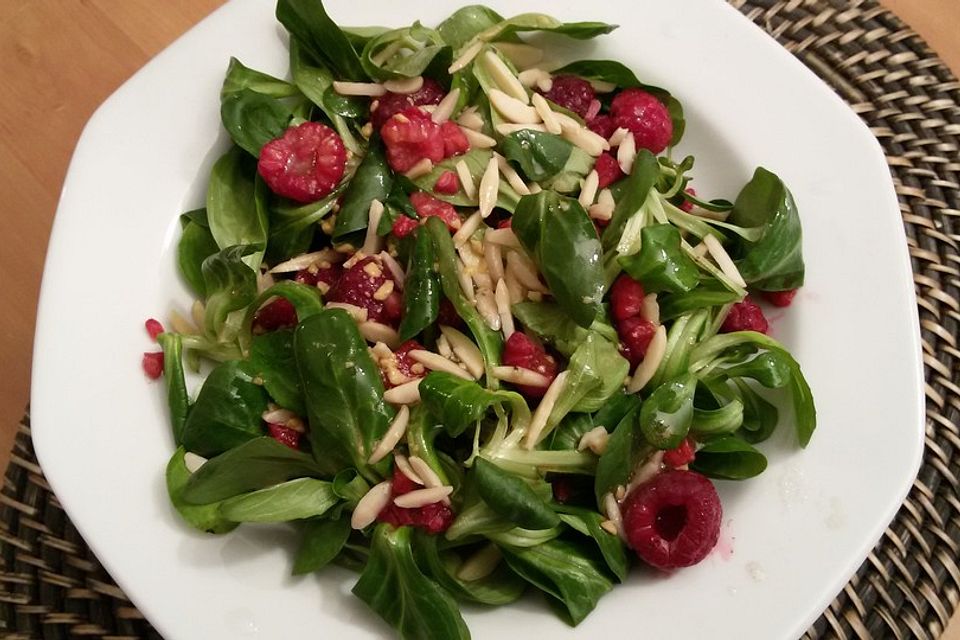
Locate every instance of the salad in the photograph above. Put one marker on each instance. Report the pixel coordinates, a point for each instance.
(465, 323)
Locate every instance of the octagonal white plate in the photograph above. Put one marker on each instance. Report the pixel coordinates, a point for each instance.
(791, 538)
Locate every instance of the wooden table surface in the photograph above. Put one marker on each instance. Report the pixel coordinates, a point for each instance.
(60, 59)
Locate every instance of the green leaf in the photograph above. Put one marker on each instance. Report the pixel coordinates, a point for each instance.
(236, 210)
(759, 416)
(775, 261)
(769, 368)
(421, 433)
(291, 500)
(595, 373)
(321, 541)
(308, 22)
(611, 546)
(550, 323)
(396, 589)
(343, 390)
(372, 181)
(512, 497)
(625, 448)
(272, 360)
(231, 285)
(458, 403)
(240, 77)
(425, 48)
(527, 22)
(253, 119)
(502, 586)
(467, 22)
(293, 226)
(177, 398)
(539, 155)
(562, 571)
(636, 187)
(661, 265)
(666, 415)
(729, 458)
(476, 161)
(255, 464)
(421, 293)
(557, 233)
(227, 411)
(306, 301)
(709, 293)
(567, 434)
(196, 245)
(202, 517)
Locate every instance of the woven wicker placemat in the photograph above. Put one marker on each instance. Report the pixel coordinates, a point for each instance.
(52, 587)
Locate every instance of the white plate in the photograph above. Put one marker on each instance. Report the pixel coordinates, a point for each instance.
(791, 538)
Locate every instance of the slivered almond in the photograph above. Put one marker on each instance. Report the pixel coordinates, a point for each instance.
(445, 109)
(513, 109)
(425, 471)
(466, 179)
(470, 119)
(627, 153)
(422, 497)
(517, 291)
(700, 250)
(443, 348)
(723, 259)
(504, 237)
(519, 375)
(525, 271)
(513, 178)
(198, 312)
(422, 168)
(383, 291)
(277, 416)
(371, 504)
(406, 393)
(502, 297)
(545, 84)
(394, 268)
(478, 140)
(371, 242)
(466, 281)
(404, 465)
(617, 137)
(304, 261)
(489, 187)
(601, 211)
(465, 58)
(540, 416)
(596, 440)
(487, 307)
(588, 141)
(494, 257)
(377, 332)
(387, 52)
(465, 349)
(612, 510)
(470, 259)
(359, 314)
(646, 470)
(651, 361)
(370, 89)
(404, 85)
(589, 189)
(481, 564)
(436, 362)
(523, 56)
(546, 114)
(483, 280)
(470, 225)
(602, 86)
(609, 527)
(507, 128)
(392, 436)
(530, 77)
(650, 309)
(182, 325)
(193, 462)
(503, 76)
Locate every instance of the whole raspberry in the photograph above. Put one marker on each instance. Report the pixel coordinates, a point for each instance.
(673, 520)
(447, 184)
(305, 163)
(603, 125)
(608, 169)
(454, 140)
(284, 435)
(368, 285)
(411, 136)
(745, 316)
(571, 92)
(626, 298)
(433, 518)
(683, 454)
(520, 351)
(393, 103)
(428, 206)
(279, 314)
(779, 298)
(645, 117)
(635, 335)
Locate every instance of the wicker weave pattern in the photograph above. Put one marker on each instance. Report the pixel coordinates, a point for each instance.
(52, 587)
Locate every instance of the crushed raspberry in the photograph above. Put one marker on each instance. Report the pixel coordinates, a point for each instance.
(635, 336)
(448, 183)
(153, 364)
(279, 314)
(404, 226)
(284, 435)
(745, 316)
(506, 223)
(411, 136)
(305, 163)
(687, 205)
(779, 298)
(603, 125)
(683, 454)
(154, 328)
(455, 142)
(608, 169)
(626, 298)
(520, 351)
(427, 206)
(573, 93)
(569, 488)
(323, 275)
(645, 117)
(406, 364)
(448, 314)
(673, 520)
(392, 103)
(433, 518)
(365, 285)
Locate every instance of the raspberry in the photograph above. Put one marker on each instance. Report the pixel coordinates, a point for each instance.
(410, 137)
(645, 117)
(608, 169)
(779, 298)
(626, 298)
(683, 454)
(569, 488)
(405, 363)
(392, 103)
(521, 351)
(454, 141)
(433, 518)
(673, 520)
(323, 276)
(603, 125)
(686, 205)
(448, 314)
(361, 285)
(305, 163)
(154, 328)
(745, 316)
(152, 364)
(635, 336)
(279, 314)
(404, 226)
(447, 184)
(284, 435)
(506, 223)
(426, 206)
(571, 92)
